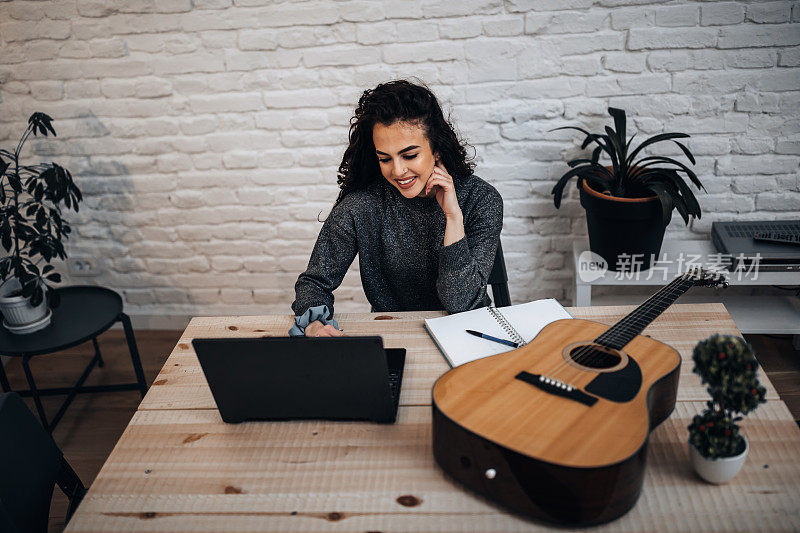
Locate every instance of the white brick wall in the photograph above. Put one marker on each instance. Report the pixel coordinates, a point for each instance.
(206, 134)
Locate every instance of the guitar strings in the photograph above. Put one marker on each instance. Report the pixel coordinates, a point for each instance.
(617, 333)
(585, 354)
(642, 319)
(639, 317)
(621, 333)
(657, 298)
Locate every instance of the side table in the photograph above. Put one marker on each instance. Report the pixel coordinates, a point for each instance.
(752, 314)
(85, 312)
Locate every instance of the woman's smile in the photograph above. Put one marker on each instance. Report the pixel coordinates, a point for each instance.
(406, 183)
(404, 155)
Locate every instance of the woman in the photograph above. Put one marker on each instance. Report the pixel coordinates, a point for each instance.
(425, 228)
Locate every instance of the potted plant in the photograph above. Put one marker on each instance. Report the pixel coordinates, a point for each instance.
(728, 365)
(629, 202)
(31, 230)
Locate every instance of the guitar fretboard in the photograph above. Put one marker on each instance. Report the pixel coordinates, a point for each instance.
(621, 333)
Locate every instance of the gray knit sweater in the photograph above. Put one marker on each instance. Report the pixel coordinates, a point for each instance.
(403, 265)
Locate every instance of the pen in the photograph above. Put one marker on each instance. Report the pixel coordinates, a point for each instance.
(490, 338)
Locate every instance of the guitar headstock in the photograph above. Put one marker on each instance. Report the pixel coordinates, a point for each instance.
(703, 277)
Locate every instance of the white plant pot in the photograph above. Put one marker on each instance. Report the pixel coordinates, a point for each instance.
(19, 315)
(720, 470)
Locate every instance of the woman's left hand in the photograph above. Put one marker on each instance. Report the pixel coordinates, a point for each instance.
(445, 191)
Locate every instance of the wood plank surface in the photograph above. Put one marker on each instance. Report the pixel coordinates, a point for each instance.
(184, 470)
(181, 384)
(178, 467)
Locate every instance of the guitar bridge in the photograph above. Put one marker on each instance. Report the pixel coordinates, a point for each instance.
(556, 387)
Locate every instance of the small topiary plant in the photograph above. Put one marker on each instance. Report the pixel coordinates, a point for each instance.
(728, 365)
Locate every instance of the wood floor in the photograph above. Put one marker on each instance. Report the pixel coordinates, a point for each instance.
(94, 422)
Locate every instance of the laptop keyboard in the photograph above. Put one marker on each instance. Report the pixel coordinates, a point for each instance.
(394, 385)
(748, 229)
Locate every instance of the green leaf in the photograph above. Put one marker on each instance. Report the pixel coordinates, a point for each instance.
(686, 152)
(666, 201)
(5, 239)
(687, 170)
(38, 295)
(14, 182)
(628, 144)
(619, 124)
(570, 128)
(688, 196)
(42, 122)
(54, 296)
(594, 137)
(600, 183)
(575, 162)
(558, 189)
(652, 140)
(590, 137)
(617, 160)
(28, 286)
(596, 154)
(680, 205)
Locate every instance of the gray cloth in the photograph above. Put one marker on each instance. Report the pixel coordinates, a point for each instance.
(319, 313)
(403, 265)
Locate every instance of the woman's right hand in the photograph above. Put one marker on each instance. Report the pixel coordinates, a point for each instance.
(318, 329)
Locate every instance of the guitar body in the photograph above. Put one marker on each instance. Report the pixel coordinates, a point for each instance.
(558, 428)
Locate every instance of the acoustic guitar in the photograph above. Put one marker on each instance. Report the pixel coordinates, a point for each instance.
(558, 428)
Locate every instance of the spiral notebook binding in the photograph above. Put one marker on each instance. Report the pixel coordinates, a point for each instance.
(507, 327)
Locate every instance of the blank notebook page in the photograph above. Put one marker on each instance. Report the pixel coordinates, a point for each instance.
(459, 347)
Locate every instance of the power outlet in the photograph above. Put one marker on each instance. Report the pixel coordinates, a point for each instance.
(82, 266)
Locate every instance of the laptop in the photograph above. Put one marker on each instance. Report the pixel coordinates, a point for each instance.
(775, 243)
(286, 378)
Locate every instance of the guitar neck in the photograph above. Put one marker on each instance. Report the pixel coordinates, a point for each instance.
(621, 333)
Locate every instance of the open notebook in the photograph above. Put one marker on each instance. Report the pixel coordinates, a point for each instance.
(518, 323)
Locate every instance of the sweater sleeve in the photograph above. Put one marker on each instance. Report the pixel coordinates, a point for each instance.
(465, 265)
(333, 254)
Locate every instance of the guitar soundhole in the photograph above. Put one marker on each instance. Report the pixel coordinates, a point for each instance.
(595, 356)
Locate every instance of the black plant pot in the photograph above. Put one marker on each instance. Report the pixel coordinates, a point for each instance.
(623, 226)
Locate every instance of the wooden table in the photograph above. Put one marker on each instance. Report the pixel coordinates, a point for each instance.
(178, 467)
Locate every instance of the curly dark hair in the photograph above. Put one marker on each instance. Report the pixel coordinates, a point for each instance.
(390, 102)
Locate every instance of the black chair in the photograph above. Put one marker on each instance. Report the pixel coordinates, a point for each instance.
(498, 279)
(30, 465)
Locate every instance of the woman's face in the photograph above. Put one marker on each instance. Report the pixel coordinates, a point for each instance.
(404, 156)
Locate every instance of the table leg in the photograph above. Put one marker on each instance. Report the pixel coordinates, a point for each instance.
(4, 379)
(35, 392)
(583, 295)
(97, 353)
(137, 363)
